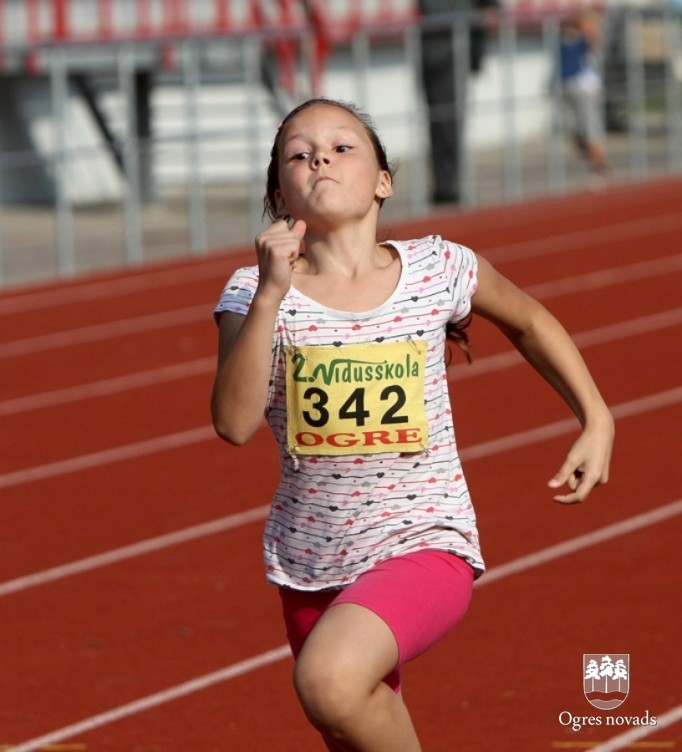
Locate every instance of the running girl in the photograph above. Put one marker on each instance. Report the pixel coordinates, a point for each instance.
(339, 341)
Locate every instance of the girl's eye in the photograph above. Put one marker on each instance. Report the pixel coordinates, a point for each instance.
(343, 148)
(300, 156)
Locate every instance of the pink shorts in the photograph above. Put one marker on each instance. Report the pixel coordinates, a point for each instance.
(421, 596)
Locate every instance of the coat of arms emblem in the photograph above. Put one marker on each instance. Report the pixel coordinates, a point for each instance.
(606, 679)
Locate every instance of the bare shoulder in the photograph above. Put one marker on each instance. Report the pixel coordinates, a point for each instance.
(499, 300)
(229, 325)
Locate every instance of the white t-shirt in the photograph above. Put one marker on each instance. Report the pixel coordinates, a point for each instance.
(335, 515)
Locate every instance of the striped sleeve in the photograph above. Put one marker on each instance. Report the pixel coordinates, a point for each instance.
(464, 279)
(238, 292)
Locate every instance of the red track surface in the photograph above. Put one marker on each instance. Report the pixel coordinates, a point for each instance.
(105, 443)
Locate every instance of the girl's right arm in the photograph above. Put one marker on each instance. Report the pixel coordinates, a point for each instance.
(547, 346)
(240, 389)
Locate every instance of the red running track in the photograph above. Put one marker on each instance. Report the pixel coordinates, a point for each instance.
(135, 615)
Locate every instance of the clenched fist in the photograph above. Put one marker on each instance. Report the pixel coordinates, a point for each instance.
(277, 248)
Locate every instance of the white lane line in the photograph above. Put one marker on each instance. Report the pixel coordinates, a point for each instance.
(624, 740)
(584, 238)
(109, 288)
(204, 433)
(133, 550)
(166, 319)
(280, 653)
(630, 328)
(179, 537)
(605, 278)
(159, 698)
(105, 387)
(205, 269)
(601, 535)
(568, 425)
(98, 332)
(590, 338)
(107, 456)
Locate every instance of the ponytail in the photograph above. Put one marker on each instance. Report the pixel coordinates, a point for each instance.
(456, 332)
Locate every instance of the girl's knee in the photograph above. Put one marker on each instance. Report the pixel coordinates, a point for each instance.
(329, 691)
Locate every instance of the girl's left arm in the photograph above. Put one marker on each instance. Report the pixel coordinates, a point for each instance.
(547, 346)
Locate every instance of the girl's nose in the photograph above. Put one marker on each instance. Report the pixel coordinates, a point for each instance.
(321, 158)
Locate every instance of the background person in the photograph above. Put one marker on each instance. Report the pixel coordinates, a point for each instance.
(445, 83)
(582, 88)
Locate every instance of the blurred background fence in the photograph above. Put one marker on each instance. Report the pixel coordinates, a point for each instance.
(141, 129)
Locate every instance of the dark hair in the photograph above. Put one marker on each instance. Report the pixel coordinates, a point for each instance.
(457, 334)
(272, 184)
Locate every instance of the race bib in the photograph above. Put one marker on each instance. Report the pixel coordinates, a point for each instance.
(356, 399)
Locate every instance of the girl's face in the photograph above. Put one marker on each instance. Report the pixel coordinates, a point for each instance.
(328, 168)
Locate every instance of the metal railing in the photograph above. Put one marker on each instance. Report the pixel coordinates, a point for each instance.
(161, 160)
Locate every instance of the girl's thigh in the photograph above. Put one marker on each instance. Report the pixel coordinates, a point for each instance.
(420, 596)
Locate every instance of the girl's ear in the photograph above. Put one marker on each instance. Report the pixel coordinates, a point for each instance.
(384, 185)
(280, 204)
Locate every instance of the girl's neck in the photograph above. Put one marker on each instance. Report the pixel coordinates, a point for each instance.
(348, 280)
(346, 252)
